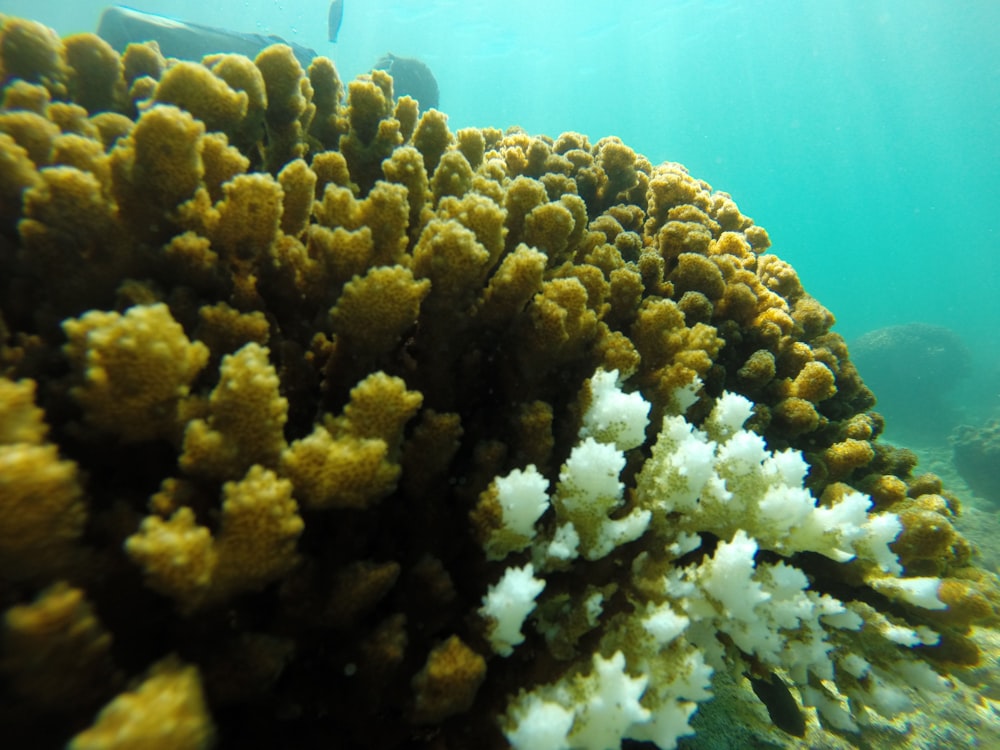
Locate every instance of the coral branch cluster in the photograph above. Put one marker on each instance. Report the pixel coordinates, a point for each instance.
(320, 422)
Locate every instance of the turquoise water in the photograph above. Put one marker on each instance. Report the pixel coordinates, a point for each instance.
(864, 135)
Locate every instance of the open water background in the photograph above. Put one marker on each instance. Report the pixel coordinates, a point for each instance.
(863, 134)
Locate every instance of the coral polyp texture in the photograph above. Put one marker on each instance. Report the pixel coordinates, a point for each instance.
(324, 425)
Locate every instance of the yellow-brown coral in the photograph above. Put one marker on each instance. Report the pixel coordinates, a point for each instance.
(178, 556)
(167, 710)
(194, 88)
(157, 167)
(42, 509)
(376, 309)
(344, 472)
(132, 369)
(448, 682)
(55, 652)
(275, 338)
(255, 543)
(245, 419)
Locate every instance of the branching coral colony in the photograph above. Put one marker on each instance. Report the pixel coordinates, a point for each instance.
(321, 424)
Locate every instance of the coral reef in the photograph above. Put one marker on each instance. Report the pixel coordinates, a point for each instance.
(410, 77)
(913, 368)
(977, 456)
(321, 423)
(167, 710)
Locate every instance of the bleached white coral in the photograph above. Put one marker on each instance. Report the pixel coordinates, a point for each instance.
(507, 604)
(920, 675)
(589, 490)
(523, 498)
(715, 485)
(613, 416)
(604, 704)
(609, 704)
(540, 725)
(565, 543)
(728, 578)
(766, 609)
(676, 686)
(728, 416)
(881, 530)
(681, 467)
(664, 624)
(722, 479)
(920, 592)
